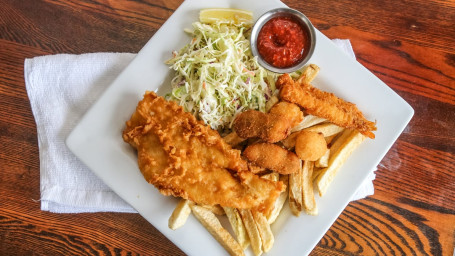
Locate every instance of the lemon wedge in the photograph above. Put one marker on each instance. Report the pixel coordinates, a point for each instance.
(236, 16)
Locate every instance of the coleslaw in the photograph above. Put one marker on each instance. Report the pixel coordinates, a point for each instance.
(216, 76)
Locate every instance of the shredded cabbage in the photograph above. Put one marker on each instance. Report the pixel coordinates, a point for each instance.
(216, 76)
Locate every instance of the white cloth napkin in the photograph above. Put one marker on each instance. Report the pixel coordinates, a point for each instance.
(61, 88)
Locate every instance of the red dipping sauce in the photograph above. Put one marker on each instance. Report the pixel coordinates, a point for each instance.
(283, 42)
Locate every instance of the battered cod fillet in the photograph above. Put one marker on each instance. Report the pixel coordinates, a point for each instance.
(183, 157)
(325, 105)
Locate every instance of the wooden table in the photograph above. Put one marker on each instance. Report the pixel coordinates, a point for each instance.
(409, 44)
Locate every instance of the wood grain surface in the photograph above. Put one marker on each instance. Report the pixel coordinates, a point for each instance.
(408, 44)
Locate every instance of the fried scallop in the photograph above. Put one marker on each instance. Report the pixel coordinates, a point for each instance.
(310, 145)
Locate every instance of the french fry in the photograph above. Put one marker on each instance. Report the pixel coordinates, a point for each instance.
(273, 176)
(296, 208)
(279, 203)
(329, 139)
(180, 214)
(236, 222)
(216, 209)
(327, 129)
(308, 74)
(271, 102)
(233, 139)
(308, 121)
(213, 225)
(252, 230)
(295, 191)
(339, 140)
(309, 204)
(323, 161)
(265, 232)
(316, 172)
(342, 149)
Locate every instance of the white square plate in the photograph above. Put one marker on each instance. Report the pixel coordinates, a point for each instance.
(97, 139)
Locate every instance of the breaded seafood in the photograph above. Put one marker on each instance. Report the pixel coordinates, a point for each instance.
(310, 146)
(272, 157)
(271, 127)
(183, 157)
(325, 105)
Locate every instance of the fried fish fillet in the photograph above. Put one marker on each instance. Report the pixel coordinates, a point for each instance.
(183, 157)
(325, 105)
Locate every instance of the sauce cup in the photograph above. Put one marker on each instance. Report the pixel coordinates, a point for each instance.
(295, 16)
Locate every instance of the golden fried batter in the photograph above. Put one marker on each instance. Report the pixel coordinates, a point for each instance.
(272, 157)
(271, 127)
(185, 158)
(310, 146)
(325, 105)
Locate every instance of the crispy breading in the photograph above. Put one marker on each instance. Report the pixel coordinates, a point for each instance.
(325, 105)
(271, 127)
(183, 157)
(310, 145)
(272, 157)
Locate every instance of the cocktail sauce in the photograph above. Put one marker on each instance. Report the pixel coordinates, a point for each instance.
(283, 42)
